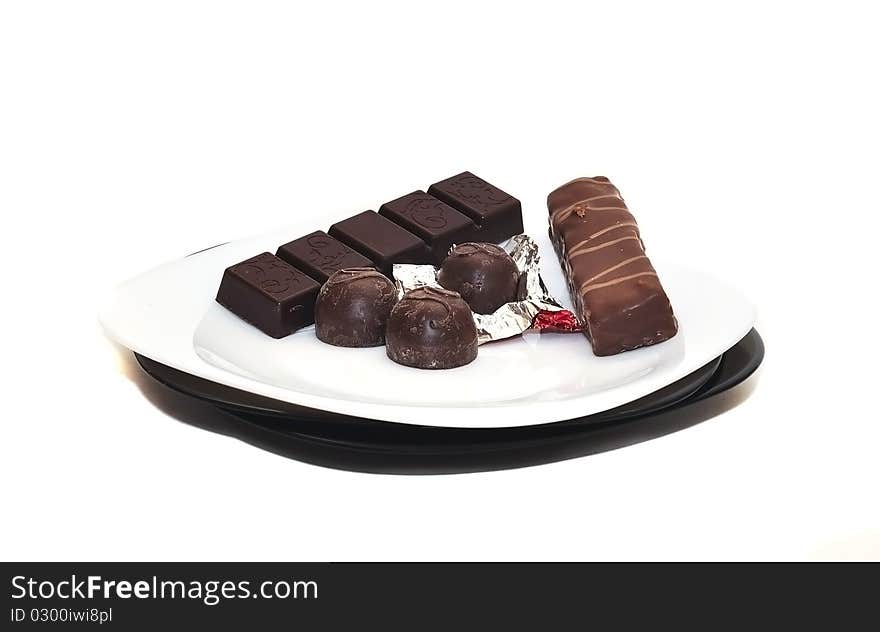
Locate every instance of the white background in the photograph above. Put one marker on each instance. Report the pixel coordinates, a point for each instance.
(744, 138)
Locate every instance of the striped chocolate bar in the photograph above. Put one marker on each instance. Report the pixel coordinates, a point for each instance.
(615, 289)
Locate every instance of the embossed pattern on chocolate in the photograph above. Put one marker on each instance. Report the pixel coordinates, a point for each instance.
(437, 223)
(269, 293)
(430, 328)
(319, 255)
(353, 307)
(616, 292)
(483, 274)
(498, 214)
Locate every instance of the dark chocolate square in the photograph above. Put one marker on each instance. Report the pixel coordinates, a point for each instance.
(319, 255)
(435, 222)
(380, 240)
(270, 294)
(498, 214)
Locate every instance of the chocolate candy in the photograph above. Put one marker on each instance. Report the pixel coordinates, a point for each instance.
(435, 222)
(615, 289)
(381, 240)
(430, 328)
(498, 214)
(417, 228)
(483, 274)
(319, 255)
(353, 307)
(269, 293)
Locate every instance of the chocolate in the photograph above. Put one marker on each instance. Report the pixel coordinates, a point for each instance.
(353, 307)
(380, 240)
(615, 290)
(435, 222)
(417, 229)
(430, 328)
(498, 214)
(319, 255)
(269, 293)
(483, 274)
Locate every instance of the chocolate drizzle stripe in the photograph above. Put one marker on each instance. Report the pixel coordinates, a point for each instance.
(610, 228)
(563, 214)
(606, 230)
(617, 266)
(586, 207)
(580, 251)
(599, 286)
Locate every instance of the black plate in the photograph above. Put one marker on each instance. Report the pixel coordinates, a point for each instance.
(377, 446)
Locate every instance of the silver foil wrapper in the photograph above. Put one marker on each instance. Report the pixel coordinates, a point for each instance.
(536, 307)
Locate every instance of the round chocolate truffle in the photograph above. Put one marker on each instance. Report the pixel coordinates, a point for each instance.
(484, 275)
(353, 306)
(431, 328)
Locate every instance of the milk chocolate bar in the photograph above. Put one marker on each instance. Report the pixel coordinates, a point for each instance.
(615, 290)
(270, 294)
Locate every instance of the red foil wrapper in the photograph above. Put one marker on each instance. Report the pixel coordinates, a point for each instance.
(560, 322)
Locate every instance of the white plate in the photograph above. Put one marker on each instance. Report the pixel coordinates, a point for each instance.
(169, 314)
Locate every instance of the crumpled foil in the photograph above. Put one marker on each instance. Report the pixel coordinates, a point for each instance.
(537, 310)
